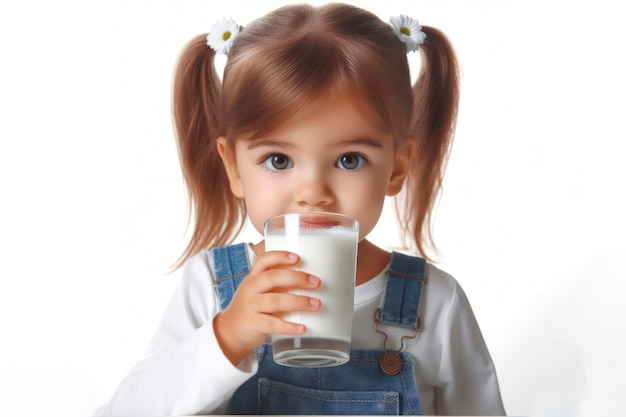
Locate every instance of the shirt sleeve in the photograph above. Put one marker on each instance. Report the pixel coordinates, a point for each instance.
(466, 382)
(184, 372)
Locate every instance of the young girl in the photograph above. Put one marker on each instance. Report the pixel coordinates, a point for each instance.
(316, 113)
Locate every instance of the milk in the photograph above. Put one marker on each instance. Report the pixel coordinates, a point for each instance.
(331, 256)
(327, 246)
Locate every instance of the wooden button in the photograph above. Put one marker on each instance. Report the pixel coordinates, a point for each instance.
(391, 363)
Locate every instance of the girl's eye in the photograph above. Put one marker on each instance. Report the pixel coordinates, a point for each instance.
(351, 161)
(277, 162)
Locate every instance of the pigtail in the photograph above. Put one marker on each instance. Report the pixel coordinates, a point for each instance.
(436, 96)
(217, 213)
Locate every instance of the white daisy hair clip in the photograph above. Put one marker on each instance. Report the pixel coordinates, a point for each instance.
(222, 35)
(409, 31)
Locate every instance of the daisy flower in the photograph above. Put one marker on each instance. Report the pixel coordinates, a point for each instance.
(222, 35)
(409, 31)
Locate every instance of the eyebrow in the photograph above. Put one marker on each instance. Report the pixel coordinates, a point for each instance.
(359, 141)
(363, 141)
(251, 144)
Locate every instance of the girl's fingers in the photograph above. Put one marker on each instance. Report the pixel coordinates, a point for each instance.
(274, 270)
(282, 280)
(275, 325)
(273, 259)
(273, 303)
(263, 296)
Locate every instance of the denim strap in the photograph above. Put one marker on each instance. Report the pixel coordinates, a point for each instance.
(231, 267)
(403, 294)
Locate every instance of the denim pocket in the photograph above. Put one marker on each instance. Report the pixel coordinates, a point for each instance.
(280, 398)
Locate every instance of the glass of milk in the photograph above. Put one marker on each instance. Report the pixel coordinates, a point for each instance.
(327, 246)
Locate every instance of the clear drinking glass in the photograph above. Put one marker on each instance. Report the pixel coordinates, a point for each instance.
(327, 246)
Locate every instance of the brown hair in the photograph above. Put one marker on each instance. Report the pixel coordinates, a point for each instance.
(276, 67)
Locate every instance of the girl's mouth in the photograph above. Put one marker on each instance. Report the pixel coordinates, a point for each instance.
(316, 221)
(317, 224)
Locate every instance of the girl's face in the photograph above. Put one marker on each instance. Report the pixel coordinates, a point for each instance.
(332, 160)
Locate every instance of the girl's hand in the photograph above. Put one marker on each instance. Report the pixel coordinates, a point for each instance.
(255, 309)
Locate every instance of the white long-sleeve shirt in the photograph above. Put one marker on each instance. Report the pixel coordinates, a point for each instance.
(185, 372)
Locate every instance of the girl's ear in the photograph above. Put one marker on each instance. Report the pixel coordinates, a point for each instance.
(230, 163)
(402, 162)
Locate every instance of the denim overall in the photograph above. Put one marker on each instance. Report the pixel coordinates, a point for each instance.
(358, 387)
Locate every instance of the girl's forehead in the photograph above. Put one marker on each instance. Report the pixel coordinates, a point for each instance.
(345, 110)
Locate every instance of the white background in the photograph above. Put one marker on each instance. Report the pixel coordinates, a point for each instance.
(94, 210)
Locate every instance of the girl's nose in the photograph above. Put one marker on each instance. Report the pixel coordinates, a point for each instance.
(313, 191)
